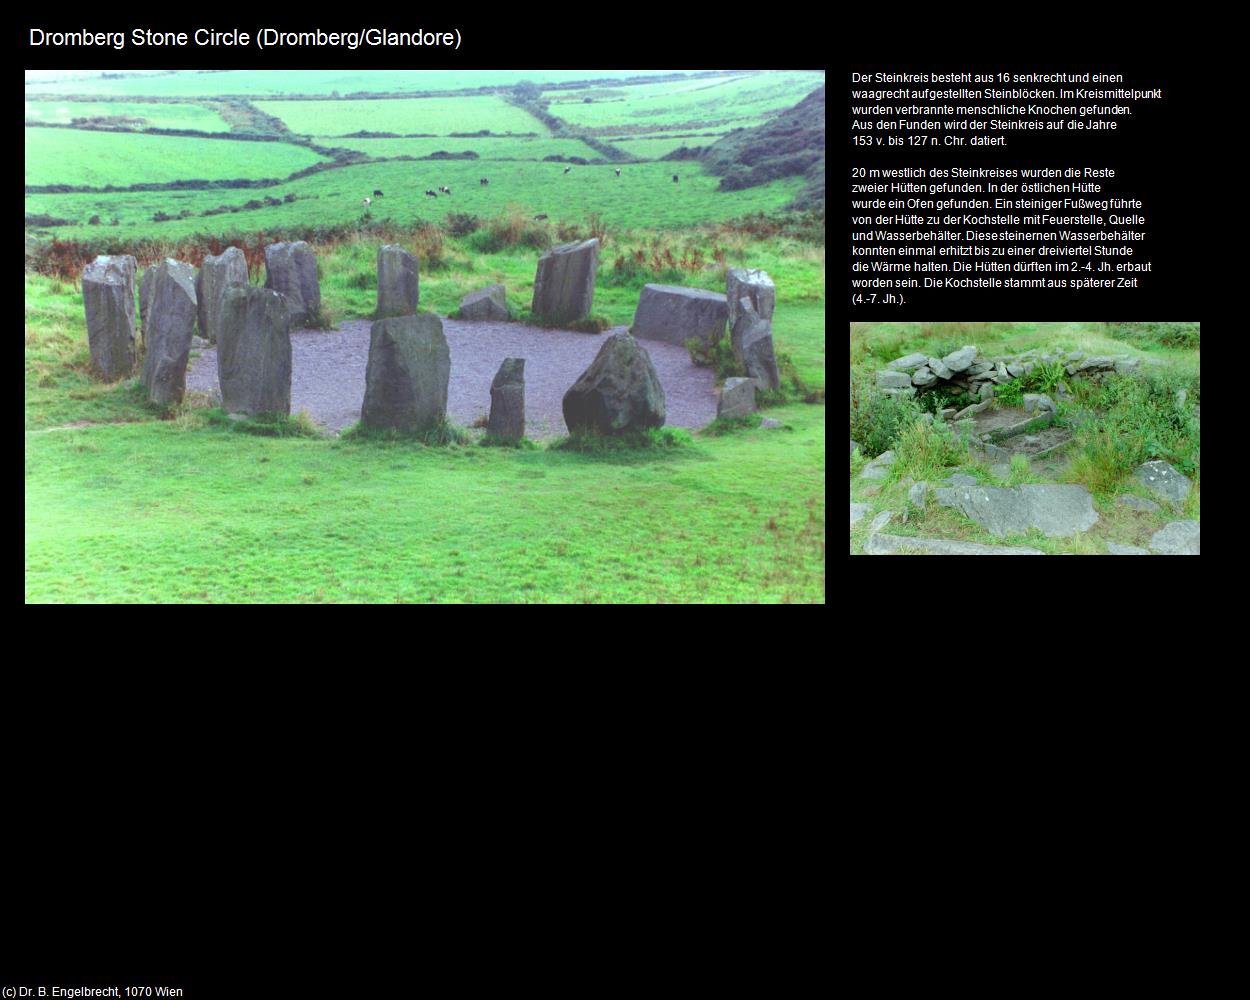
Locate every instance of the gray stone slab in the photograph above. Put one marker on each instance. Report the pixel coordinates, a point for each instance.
(1179, 538)
(1164, 481)
(859, 511)
(880, 545)
(1056, 510)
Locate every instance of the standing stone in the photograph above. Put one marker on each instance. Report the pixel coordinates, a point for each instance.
(398, 291)
(564, 283)
(167, 329)
(752, 339)
(108, 295)
(145, 300)
(254, 351)
(737, 399)
(486, 305)
(407, 375)
(619, 392)
(291, 268)
(507, 401)
(216, 275)
(756, 285)
(674, 315)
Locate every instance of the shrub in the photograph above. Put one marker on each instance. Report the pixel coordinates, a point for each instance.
(461, 223)
(923, 450)
(511, 229)
(877, 420)
(718, 355)
(1184, 335)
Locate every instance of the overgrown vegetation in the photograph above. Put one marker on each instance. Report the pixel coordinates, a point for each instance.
(1183, 335)
(653, 439)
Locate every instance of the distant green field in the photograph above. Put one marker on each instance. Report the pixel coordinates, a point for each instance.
(653, 147)
(732, 102)
(487, 148)
(71, 156)
(435, 115)
(644, 195)
(190, 83)
(164, 115)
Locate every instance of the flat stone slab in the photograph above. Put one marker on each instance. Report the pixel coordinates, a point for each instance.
(879, 522)
(1179, 538)
(675, 314)
(1057, 511)
(883, 545)
(879, 467)
(859, 511)
(1125, 550)
(1164, 481)
(909, 363)
(1137, 503)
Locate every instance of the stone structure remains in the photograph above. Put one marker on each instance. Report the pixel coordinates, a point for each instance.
(966, 371)
(108, 295)
(291, 268)
(167, 329)
(407, 375)
(398, 282)
(619, 392)
(254, 351)
(564, 283)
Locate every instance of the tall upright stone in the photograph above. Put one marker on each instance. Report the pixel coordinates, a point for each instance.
(216, 275)
(254, 351)
(291, 268)
(407, 375)
(753, 284)
(507, 401)
(398, 287)
(564, 283)
(619, 392)
(108, 296)
(674, 315)
(752, 339)
(167, 329)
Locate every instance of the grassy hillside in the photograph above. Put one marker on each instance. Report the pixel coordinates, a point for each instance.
(147, 114)
(789, 145)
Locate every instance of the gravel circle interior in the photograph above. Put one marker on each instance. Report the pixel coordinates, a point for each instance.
(328, 373)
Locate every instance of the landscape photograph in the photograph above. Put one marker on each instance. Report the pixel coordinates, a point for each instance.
(477, 336)
(1026, 438)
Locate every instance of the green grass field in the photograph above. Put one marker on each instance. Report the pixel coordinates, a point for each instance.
(72, 156)
(727, 102)
(487, 148)
(652, 147)
(245, 82)
(432, 115)
(154, 115)
(644, 195)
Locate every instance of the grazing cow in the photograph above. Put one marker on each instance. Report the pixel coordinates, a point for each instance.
(484, 181)
(432, 194)
(618, 171)
(674, 178)
(377, 194)
(539, 218)
(567, 169)
(367, 202)
(446, 190)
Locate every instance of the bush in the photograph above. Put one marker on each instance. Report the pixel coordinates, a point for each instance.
(511, 229)
(461, 223)
(877, 420)
(924, 450)
(718, 355)
(1184, 335)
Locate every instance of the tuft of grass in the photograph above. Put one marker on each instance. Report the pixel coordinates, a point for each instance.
(264, 424)
(590, 324)
(718, 355)
(924, 451)
(652, 439)
(441, 435)
(729, 425)
(489, 440)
